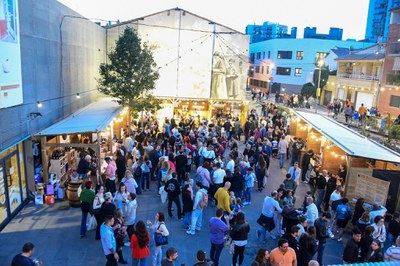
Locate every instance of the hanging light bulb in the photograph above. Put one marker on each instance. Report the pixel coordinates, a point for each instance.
(39, 104)
(78, 96)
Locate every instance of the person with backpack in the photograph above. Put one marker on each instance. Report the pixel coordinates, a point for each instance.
(343, 215)
(146, 169)
(172, 187)
(200, 202)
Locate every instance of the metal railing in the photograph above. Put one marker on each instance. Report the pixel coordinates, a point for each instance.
(357, 76)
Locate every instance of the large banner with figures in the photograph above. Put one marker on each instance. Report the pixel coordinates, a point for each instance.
(10, 55)
(195, 57)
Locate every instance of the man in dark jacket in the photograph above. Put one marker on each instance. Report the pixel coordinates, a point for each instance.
(321, 185)
(321, 226)
(172, 187)
(180, 163)
(305, 162)
(350, 252)
(292, 238)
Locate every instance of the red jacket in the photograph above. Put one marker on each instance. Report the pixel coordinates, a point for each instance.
(137, 252)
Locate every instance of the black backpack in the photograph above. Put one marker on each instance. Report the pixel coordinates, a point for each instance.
(138, 171)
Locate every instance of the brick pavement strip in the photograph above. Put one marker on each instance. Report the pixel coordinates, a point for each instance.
(56, 236)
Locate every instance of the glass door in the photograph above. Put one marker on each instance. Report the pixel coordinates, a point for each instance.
(3, 198)
(13, 185)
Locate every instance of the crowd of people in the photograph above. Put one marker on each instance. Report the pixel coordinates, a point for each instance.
(197, 164)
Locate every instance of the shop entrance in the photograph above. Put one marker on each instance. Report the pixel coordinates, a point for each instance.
(12, 184)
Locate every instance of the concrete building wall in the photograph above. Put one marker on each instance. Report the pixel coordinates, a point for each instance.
(193, 54)
(53, 71)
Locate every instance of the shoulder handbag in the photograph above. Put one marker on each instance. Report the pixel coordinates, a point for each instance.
(160, 239)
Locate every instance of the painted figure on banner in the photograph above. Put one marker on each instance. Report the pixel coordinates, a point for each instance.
(218, 85)
(231, 80)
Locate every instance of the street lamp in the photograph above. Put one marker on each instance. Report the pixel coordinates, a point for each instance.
(320, 63)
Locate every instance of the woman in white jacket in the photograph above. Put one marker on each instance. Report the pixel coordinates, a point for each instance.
(159, 227)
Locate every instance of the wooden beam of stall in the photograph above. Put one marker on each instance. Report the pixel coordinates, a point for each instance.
(45, 159)
(73, 145)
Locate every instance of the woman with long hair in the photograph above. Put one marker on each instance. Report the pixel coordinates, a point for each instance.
(358, 210)
(364, 221)
(261, 172)
(120, 161)
(262, 258)
(239, 237)
(375, 253)
(158, 227)
(187, 200)
(365, 242)
(129, 182)
(121, 198)
(97, 202)
(307, 246)
(139, 245)
(119, 232)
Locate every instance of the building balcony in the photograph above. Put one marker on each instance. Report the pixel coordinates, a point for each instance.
(357, 76)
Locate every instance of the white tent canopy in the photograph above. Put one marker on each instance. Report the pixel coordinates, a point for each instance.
(93, 118)
(348, 140)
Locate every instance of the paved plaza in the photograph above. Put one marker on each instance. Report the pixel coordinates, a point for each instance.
(56, 232)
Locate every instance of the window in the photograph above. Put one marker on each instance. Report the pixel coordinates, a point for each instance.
(284, 71)
(257, 69)
(267, 69)
(269, 54)
(259, 55)
(284, 54)
(320, 55)
(299, 55)
(395, 101)
(262, 70)
(251, 57)
(297, 72)
(263, 55)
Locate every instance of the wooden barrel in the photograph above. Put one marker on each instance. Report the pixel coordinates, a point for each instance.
(72, 194)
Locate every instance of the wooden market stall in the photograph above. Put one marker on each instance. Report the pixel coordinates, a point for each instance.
(372, 169)
(91, 127)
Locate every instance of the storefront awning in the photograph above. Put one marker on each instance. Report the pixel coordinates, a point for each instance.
(348, 140)
(92, 118)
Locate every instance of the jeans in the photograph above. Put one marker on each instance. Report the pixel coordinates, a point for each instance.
(215, 252)
(157, 256)
(295, 158)
(146, 179)
(178, 206)
(281, 159)
(141, 262)
(321, 193)
(321, 248)
(99, 220)
(138, 180)
(111, 261)
(83, 223)
(239, 251)
(186, 219)
(197, 216)
(248, 194)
